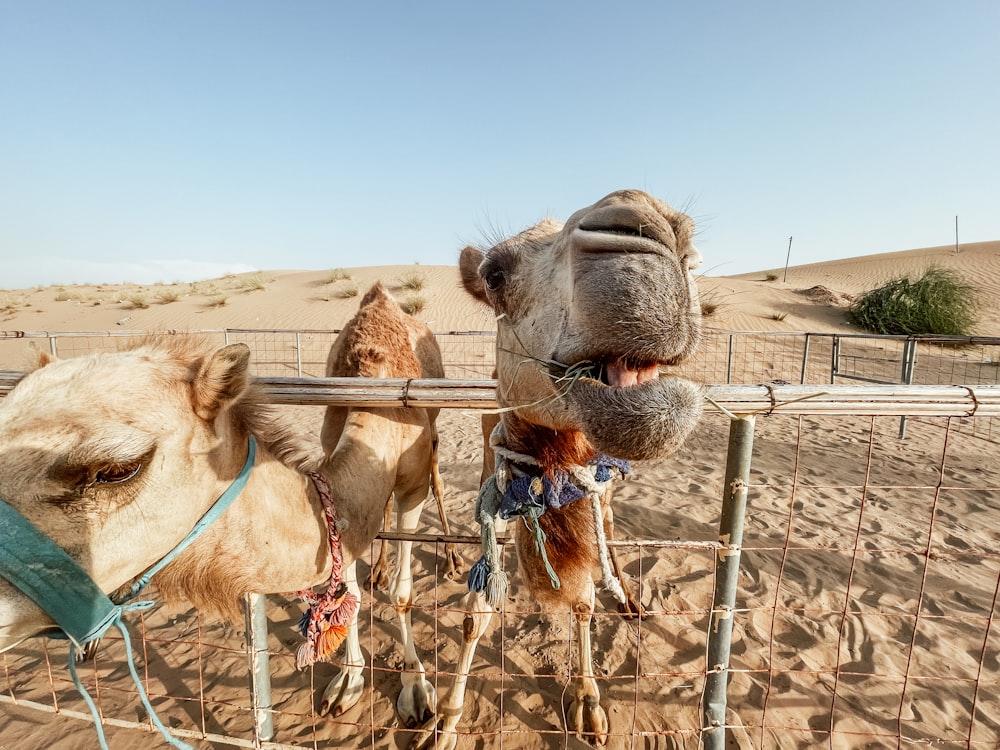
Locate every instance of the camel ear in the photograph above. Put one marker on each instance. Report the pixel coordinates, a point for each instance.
(37, 358)
(220, 380)
(468, 266)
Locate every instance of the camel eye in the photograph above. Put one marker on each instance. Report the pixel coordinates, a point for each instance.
(117, 473)
(494, 279)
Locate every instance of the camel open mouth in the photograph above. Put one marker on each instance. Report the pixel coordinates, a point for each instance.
(614, 371)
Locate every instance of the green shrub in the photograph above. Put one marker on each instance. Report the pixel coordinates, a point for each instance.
(939, 302)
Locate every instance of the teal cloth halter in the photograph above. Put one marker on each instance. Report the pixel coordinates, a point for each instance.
(47, 575)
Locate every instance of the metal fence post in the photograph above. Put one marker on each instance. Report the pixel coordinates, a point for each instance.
(298, 353)
(720, 628)
(906, 377)
(835, 360)
(729, 361)
(260, 668)
(805, 360)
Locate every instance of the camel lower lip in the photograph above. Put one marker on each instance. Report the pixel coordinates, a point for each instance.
(643, 421)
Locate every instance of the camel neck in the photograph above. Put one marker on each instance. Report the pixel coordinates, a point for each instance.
(553, 450)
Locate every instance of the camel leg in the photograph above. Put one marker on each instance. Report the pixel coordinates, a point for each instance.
(417, 698)
(586, 716)
(632, 607)
(441, 729)
(378, 575)
(347, 687)
(454, 564)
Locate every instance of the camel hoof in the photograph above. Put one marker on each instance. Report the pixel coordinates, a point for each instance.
(416, 704)
(454, 564)
(378, 578)
(433, 737)
(343, 692)
(632, 609)
(588, 719)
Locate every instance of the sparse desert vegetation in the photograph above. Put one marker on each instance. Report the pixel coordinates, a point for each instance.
(710, 303)
(938, 302)
(413, 304)
(346, 291)
(337, 274)
(64, 295)
(414, 281)
(771, 277)
(166, 296)
(137, 301)
(254, 282)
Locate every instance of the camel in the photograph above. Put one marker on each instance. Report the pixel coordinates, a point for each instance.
(587, 314)
(116, 456)
(343, 361)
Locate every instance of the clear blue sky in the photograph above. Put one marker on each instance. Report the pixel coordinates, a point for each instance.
(163, 141)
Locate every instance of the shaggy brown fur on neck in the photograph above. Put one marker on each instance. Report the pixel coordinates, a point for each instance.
(555, 450)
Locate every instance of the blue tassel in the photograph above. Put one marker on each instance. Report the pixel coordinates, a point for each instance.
(304, 622)
(478, 575)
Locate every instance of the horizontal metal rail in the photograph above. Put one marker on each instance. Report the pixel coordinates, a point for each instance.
(876, 400)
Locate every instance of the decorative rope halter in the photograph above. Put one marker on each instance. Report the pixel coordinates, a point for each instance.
(324, 624)
(520, 486)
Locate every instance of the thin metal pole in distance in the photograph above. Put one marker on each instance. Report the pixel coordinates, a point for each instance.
(720, 629)
(909, 363)
(260, 668)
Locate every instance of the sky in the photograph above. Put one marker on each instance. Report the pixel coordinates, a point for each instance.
(175, 141)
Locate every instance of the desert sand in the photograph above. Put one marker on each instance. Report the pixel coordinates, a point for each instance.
(868, 609)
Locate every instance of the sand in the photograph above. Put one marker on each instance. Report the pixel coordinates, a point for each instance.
(868, 609)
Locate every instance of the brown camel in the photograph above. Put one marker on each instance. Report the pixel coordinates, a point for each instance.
(115, 457)
(348, 358)
(587, 314)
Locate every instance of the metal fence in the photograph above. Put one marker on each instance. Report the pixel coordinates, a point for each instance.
(722, 357)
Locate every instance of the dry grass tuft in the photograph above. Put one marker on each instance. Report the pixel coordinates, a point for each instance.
(711, 303)
(137, 301)
(347, 291)
(413, 304)
(166, 296)
(414, 281)
(337, 274)
(63, 295)
(254, 283)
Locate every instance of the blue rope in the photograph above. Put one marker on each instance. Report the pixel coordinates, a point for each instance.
(130, 661)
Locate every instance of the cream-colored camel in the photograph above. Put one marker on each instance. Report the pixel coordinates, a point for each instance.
(115, 457)
(587, 314)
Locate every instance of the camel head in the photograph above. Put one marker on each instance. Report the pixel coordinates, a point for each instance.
(587, 315)
(115, 457)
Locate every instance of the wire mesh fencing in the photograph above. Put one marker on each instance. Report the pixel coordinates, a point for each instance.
(865, 611)
(722, 356)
